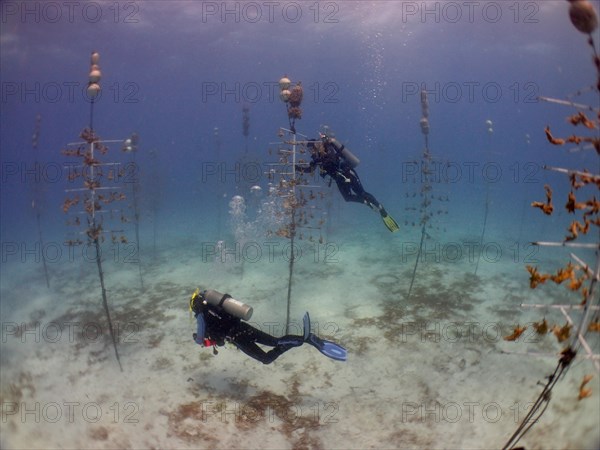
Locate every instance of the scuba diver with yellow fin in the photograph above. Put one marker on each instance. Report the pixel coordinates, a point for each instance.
(220, 318)
(335, 160)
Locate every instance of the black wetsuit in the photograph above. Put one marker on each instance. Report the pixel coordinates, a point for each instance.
(326, 156)
(217, 326)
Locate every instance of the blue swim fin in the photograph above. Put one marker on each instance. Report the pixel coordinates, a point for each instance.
(306, 321)
(328, 348)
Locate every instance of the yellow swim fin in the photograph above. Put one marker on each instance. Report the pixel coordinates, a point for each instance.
(390, 223)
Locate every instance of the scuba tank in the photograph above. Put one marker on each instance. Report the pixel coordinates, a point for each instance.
(229, 304)
(348, 157)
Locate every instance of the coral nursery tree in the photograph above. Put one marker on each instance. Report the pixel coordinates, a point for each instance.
(94, 204)
(582, 235)
(426, 196)
(36, 202)
(295, 212)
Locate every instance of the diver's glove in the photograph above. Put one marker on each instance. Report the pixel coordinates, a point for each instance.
(311, 143)
(303, 168)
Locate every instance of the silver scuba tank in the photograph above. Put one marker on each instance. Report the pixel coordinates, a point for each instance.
(229, 304)
(348, 156)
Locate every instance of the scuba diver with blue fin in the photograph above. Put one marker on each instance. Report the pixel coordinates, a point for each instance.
(220, 318)
(335, 160)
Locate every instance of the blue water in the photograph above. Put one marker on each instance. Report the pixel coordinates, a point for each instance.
(179, 74)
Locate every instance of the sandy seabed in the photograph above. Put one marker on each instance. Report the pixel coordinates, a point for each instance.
(427, 371)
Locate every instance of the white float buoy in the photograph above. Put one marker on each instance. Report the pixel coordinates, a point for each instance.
(284, 83)
(95, 75)
(93, 90)
(284, 95)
